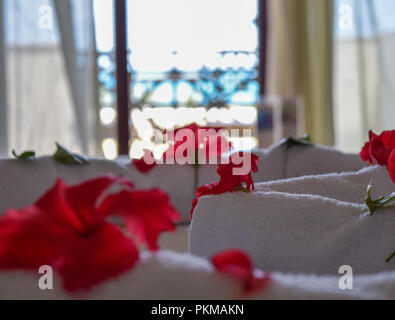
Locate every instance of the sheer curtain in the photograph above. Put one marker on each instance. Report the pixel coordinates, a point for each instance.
(50, 75)
(76, 26)
(364, 70)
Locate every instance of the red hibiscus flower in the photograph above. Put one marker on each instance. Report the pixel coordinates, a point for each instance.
(238, 264)
(379, 148)
(230, 180)
(67, 228)
(391, 166)
(197, 141)
(146, 163)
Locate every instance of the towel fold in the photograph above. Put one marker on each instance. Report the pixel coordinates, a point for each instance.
(278, 162)
(22, 182)
(171, 276)
(275, 163)
(295, 233)
(348, 186)
(318, 159)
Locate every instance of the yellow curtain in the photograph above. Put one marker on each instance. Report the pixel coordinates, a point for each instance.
(300, 60)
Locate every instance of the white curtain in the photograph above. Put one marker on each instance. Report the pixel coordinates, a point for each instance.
(76, 26)
(364, 70)
(50, 75)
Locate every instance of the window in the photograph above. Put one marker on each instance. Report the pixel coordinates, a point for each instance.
(189, 60)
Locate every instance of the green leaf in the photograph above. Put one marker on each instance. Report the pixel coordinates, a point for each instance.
(390, 257)
(24, 155)
(64, 156)
(241, 188)
(381, 202)
(291, 142)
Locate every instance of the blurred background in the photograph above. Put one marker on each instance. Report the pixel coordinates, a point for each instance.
(99, 76)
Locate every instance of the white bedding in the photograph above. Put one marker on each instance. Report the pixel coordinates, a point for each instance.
(300, 229)
(275, 163)
(300, 232)
(22, 182)
(278, 162)
(347, 186)
(174, 276)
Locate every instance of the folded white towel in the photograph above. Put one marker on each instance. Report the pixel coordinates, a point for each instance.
(169, 275)
(278, 162)
(275, 163)
(317, 159)
(22, 182)
(348, 186)
(295, 233)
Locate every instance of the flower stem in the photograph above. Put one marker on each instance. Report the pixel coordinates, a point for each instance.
(390, 257)
(381, 202)
(196, 177)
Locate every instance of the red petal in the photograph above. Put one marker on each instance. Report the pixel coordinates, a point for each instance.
(365, 155)
(391, 166)
(380, 147)
(234, 262)
(388, 138)
(254, 162)
(214, 148)
(30, 238)
(378, 151)
(238, 264)
(372, 135)
(225, 171)
(142, 165)
(83, 197)
(101, 255)
(146, 213)
(64, 230)
(208, 143)
(54, 201)
(208, 189)
(228, 182)
(187, 144)
(365, 152)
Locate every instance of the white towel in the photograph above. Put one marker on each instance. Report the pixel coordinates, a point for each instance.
(295, 233)
(173, 276)
(348, 186)
(22, 182)
(317, 159)
(278, 162)
(275, 163)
